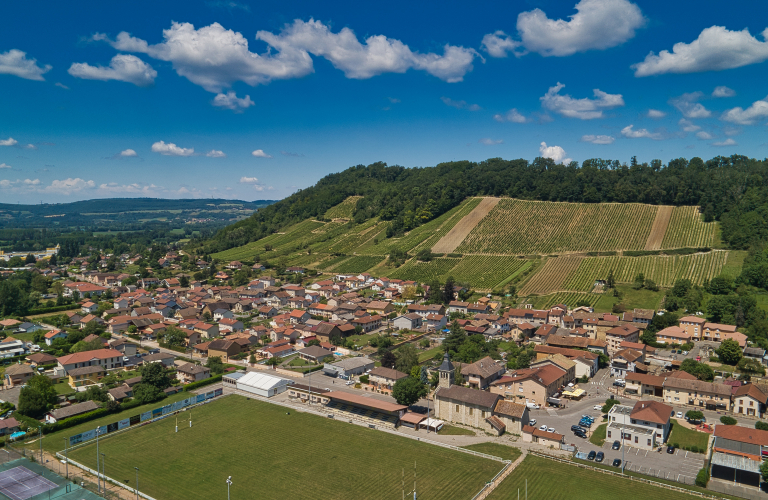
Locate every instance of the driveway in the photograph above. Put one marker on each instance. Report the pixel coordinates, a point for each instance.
(11, 395)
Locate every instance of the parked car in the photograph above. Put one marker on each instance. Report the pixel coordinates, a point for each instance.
(685, 353)
(591, 455)
(586, 425)
(670, 449)
(679, 414)
(551, 429)
(618, 383)
(543, 428)
(616, 462)
(616, 445)
(674, 351)
(532, 406)
(532, 422)
(576, 428)
(597, 407)
(350, 382)
(600, 456)
(580, 433)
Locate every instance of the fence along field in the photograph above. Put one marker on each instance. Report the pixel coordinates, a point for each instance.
(687, 229)
(248, 440)
(662, 269)
(531, 227)
(551, 277)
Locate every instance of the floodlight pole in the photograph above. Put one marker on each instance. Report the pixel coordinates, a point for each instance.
(103, 471)
(98, 467)
(66, 454)
(137, 483)
(40, 438)
(229, 483)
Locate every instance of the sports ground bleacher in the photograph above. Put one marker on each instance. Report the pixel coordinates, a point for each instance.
(364, 414)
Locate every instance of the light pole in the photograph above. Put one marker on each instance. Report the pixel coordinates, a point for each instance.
(103, 470)
(66, 454)
(98, 469)
(40, 438)
(229, 483)
(137, 483)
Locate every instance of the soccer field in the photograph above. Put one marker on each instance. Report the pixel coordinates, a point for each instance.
(271, 454)
(550, 480)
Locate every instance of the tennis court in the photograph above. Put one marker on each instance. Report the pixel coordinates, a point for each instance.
(21, 483)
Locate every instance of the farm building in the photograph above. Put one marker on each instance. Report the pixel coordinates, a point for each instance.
(261, 384)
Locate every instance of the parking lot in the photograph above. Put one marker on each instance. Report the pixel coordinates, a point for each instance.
(682, 466)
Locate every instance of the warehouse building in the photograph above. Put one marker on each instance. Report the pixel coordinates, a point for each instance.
(258, 383)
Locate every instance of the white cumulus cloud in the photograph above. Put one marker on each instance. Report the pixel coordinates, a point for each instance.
(69, 185)
(723, 91)
(138, 188)
(127, 153)
(122, 68)
(171, 149)
(214, 57)
(583, 109)
(513, 115)
(655, 113)
(757, 111)
(248, 180)
(704, 136)
(487, 141)
(8, 142)
(687, 125)
(498, 44)
(259, 153)
(716, 48)
(727, 142)
(232, 102)
(597, 25)
(598, 139)
(215, 154)
(688, 106)
(630, 132)
(3, 165)
(32, 182)
(15, 62)
(554, 152)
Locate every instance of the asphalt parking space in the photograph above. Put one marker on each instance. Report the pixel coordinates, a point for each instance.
(681, 466)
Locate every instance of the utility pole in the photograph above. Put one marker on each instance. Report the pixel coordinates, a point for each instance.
(98, 469)
(103, 471)
(66, 454)
(229, 483)
(40, 438)
(137, 483)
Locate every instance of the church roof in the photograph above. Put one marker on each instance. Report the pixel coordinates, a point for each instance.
(447, 366)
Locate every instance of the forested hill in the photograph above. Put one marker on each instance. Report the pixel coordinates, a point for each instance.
(733, 190)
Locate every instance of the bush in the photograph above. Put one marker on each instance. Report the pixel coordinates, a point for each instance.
(763, 426)
(694, 448)
(702, 478)
(201, 383)
(46, 310)
(364, 379)
(727, 420)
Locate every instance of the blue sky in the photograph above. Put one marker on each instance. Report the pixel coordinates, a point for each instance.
(255, 100)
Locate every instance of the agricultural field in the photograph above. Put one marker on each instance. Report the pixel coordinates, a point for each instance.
(291, 239)
(529, 227)
(552, 276)
(436, 269)
(687, 229)
(344, 210)
(662, 269)
(336, 459)
(489, 272)
(357, 264)
(551, 480)
(568, 298)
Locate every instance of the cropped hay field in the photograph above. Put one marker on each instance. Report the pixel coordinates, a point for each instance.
(251, 442)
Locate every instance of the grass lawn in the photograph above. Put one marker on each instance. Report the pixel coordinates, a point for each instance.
(63, 388)
(297, 361)
(54, 441)
(552, 480)
(685, 438)
(496, 449)
(598, 436)
(26, 337)
(269, 453)
(643, 299)
(430, 353)
(361, 340)
(449, 430)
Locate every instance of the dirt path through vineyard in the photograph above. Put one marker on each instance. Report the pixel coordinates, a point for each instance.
(659, 229)
(456, 235)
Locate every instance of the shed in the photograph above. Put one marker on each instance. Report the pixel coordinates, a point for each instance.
(262, 384)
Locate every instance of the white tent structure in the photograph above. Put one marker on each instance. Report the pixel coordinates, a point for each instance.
(262, 384)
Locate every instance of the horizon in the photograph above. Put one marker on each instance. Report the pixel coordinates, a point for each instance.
(127, 101)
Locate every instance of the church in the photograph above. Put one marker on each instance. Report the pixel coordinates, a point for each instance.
(473, 407)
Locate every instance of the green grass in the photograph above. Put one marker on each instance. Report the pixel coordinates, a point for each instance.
(63, 388)
(734, 263)
(252, 442)
(686, 438)
(429, 353)
(642, 299)
(551, 480)
(357, 264)
(54, 441)
(496, 450)
(598, 435)
(450, 430)
(345, 209)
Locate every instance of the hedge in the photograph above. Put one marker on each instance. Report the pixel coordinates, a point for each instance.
(702, 478)
(201, 383)
(46, 310)
(173, 348)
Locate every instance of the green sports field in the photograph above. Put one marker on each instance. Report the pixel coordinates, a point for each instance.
(271, 454)
(550, 480)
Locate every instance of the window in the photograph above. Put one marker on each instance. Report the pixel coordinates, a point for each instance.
(649, 442)
(470, 412)
(609, 433)
(457, 408)
(635, 439)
